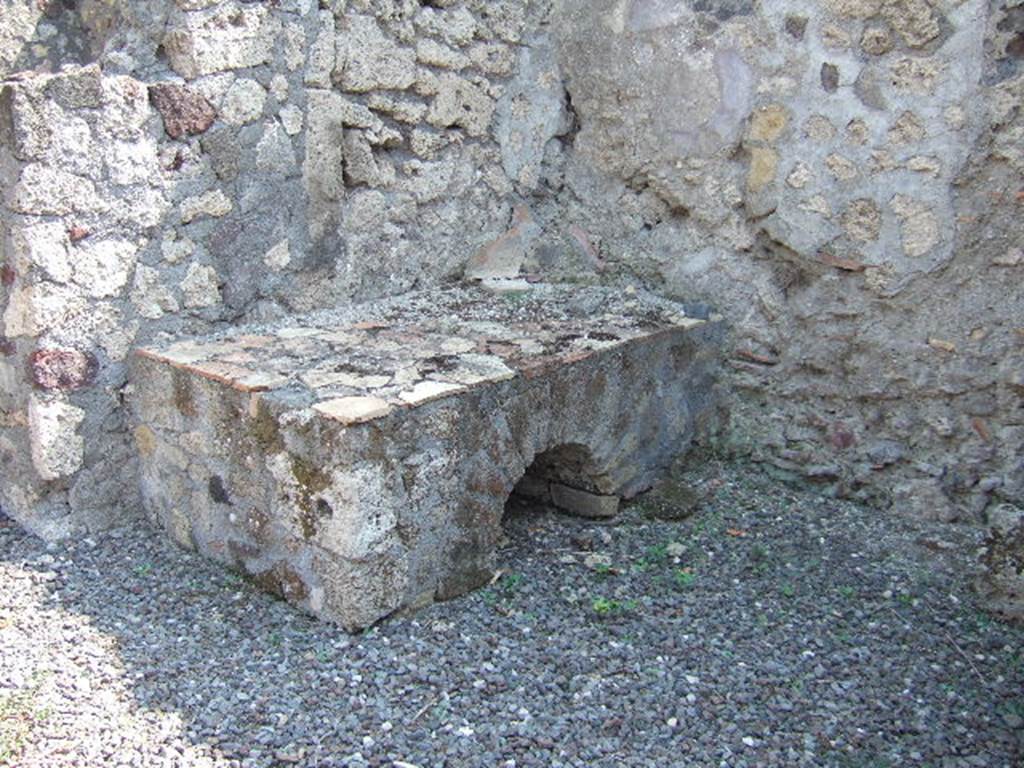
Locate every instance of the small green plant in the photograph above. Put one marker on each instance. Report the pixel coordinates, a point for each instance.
(516, 297)
(1017, 662)
(788, 590)
(847, 592)
(606, 607)
(604, 569)
(982, 621)
(602, 606)
(685, 578)
(653, 556)
(1014, 708)
(709, 523)
(657, 554)
(143, 570)
(20, 713)
(489, 597)
(761, 559)
(512, 582)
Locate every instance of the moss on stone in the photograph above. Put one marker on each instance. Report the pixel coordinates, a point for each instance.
(282, 580)
(183, 397)
(264, 430)
(311, 481)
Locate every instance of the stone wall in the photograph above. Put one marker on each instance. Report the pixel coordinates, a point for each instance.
(172, 167)
(841, 179)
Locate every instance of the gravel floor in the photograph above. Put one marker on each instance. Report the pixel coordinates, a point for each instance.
(771, 628)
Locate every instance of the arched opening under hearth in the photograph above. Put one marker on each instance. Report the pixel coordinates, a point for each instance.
(566, 479)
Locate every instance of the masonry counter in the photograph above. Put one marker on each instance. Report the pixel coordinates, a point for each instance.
(357, 462)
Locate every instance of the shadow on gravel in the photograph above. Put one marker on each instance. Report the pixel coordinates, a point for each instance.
(770, 628)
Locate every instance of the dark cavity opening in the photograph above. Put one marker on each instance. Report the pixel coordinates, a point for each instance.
(563, 479)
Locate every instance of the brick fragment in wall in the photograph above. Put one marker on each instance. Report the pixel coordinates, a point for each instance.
(184, 111)
(62, 369)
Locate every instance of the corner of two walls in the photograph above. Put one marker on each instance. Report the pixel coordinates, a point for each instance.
(840, 180)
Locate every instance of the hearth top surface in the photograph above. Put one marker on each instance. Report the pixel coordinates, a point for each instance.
(359, 363)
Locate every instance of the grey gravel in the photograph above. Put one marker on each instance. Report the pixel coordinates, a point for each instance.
(771, 628)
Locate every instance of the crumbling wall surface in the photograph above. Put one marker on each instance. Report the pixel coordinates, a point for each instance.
(841, 180)
(169, 166)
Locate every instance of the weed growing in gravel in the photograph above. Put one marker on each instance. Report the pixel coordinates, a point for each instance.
(653, 556)
(859, 760)
(685, 578)
(847, 592)
(760, 558)
(788, 590)
(512, 582)
(19, 715)
(1014, 709)
(501, 593)
(516, 297)
(143, 570)
(658, 553)
(709, 523)
(603, 606)
(606, 607)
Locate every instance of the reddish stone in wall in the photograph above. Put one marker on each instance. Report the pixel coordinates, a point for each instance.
(841, 436)
(77, 234)
(7, 275)
(7, 347)
(63, 369)
(184, 111)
